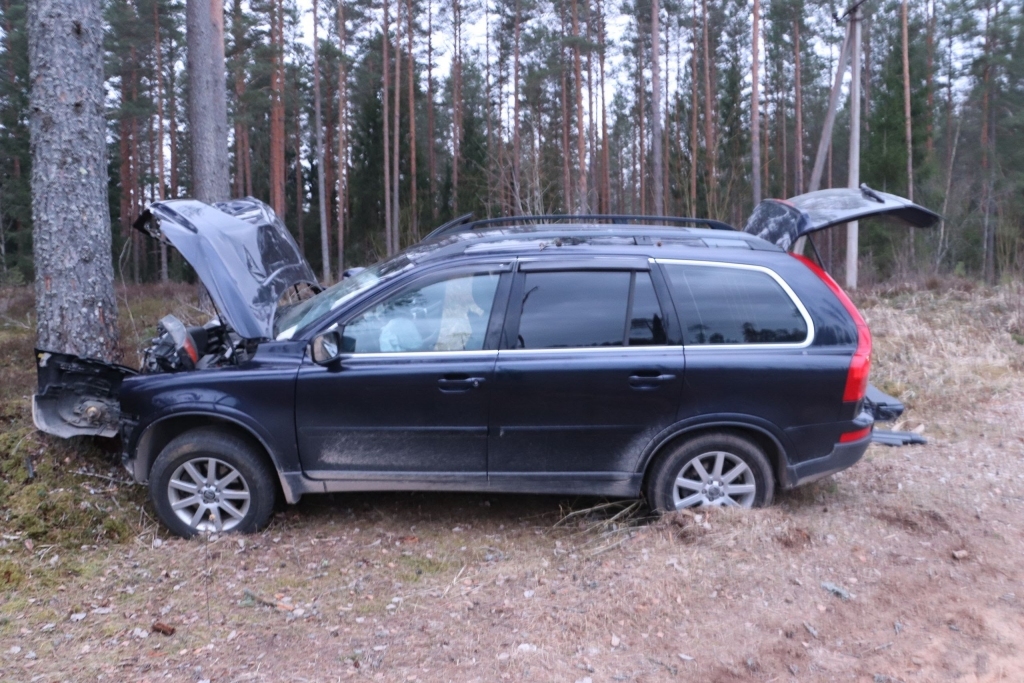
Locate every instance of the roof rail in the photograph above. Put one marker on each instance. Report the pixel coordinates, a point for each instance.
(464, 224)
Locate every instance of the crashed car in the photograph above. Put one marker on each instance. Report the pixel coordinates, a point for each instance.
(672, 358)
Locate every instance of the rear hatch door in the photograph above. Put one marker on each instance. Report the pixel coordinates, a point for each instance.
(783, 221)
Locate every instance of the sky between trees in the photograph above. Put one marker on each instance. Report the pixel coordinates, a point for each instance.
(507, 116)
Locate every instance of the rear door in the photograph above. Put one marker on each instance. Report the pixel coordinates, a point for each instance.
(590, 369)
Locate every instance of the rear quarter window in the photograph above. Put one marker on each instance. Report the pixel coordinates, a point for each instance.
(730, 305)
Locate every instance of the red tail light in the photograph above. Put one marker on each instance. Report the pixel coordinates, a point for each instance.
(860, 364)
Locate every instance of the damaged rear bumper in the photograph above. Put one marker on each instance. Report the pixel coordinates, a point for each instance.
(844, 455)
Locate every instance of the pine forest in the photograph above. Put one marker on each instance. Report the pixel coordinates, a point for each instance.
(366, 123)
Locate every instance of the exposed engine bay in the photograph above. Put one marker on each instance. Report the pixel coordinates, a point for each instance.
(177, 348)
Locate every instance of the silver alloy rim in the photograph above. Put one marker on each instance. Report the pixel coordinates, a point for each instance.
(716, 478)
(208, 494)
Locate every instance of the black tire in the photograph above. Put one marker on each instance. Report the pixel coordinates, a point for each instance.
(678, 461)
(225, 452)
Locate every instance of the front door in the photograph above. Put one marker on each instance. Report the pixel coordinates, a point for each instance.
(411, 396)
(589, 374)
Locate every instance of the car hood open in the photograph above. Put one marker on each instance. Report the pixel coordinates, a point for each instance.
(782, 222)
(241, 252)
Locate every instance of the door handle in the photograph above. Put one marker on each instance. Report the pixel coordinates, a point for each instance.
(454, 384)
(649, 381)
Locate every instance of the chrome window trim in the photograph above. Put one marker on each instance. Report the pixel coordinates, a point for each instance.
(637, 350)
(761, 269)
(421, 355)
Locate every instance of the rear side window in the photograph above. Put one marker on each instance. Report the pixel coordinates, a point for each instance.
(723, 305)
(585, 309)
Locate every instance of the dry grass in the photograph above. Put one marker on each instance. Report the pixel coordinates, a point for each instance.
(445, 587)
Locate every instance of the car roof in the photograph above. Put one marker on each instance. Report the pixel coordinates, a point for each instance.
(517, 238)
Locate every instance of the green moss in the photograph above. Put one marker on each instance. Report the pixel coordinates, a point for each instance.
(11, 575)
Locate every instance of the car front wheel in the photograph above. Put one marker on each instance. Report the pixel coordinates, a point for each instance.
(716, 469)
(209, 480)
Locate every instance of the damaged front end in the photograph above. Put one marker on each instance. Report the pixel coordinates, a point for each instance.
(246, 259)
(77, 396)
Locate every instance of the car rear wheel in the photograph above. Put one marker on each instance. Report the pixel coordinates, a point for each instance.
(209, 480)
(718, 469)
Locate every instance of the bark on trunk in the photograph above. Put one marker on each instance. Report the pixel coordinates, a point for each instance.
(755, 110)
(386, 97)
(431, 157)
(659, 179)
(692, 209)
(321, 160)
(342, 136)
(207, 111)
(581, 141)
(516, 144)
(277, 133)
(798, 144)
(414, 227)
(158, 49)
(76, 311)
(396, 152)
(606, 185)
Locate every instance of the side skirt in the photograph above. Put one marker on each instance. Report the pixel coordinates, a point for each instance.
(619, 484)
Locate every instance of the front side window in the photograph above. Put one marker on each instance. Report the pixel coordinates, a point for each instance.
(723, 305)
(445, 315)
(587, 309)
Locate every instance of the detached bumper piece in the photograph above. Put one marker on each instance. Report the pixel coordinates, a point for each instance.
(885, 408)
(888, 437)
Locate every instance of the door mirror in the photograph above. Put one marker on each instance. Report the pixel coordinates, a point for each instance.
(327, 348)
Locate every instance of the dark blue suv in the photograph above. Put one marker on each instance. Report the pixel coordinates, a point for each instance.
(677, 359)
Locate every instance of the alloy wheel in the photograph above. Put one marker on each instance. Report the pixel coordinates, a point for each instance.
(208, 494)
(716, 478)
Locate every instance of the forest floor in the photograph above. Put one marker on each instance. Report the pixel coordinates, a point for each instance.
(925, 545)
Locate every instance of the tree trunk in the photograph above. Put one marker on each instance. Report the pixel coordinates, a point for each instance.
(659, 179)
(582, 200)
(907, 122)
(431, 156)
(692, 210)
(396, 152)
(516, 144)
(566, 178)
(930, 81)
(755, 110)
(300, 187)
(76, 311)
(709, 121)
(641, 139)
(606, 185)
(207, 111)
(798, 144)
(386, 98)
(321, 160)
(456, 101)
(277, 132)
(158, 49)
(414, 226)
(342, 136)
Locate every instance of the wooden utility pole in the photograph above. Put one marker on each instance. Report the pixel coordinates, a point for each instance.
(325, 246)
(853, 227)
(659, 179)
(755, 110)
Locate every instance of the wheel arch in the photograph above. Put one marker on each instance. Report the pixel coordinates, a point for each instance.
(159, 433)
(760, 434)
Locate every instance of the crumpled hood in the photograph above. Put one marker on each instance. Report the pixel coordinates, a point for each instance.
(241, 252)
(782, 222)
